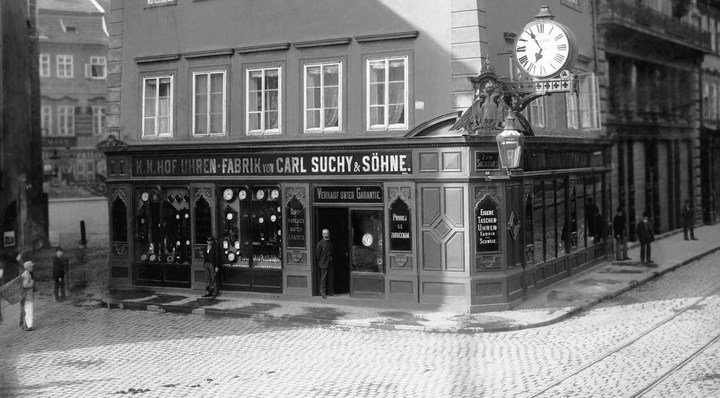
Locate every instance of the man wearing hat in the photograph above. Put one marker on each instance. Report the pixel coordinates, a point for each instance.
(58, 274)
(211, 268)
(28, 284)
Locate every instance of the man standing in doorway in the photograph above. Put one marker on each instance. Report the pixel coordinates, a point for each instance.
(619, 224)
(645, 235)
(211, 268)
(324, 260)
(688, 220)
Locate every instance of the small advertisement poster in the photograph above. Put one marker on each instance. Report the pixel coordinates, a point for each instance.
(295, 223)
(486, 221)
(400, 235)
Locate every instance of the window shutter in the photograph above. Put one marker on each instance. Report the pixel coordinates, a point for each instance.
(88, 70)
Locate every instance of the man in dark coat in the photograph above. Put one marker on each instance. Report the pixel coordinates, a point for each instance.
(324, 260)
(619, 224)
(688, 220)
(58, 274)
(644, 231)
(211, 268)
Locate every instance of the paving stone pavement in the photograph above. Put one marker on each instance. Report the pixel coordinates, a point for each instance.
(88, 351)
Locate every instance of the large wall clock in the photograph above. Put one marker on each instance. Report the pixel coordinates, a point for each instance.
(545, 47)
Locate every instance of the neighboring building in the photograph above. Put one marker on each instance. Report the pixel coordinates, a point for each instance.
(652, 52)
(262, 123)
(710, 129)
(23, 205)
(73, 76)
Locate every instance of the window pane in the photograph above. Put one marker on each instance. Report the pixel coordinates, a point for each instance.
(200, 84)
(254, 101)
(163, 125)
(377, 115)
(150, 85)
(164, 107)
(149, 107)
(377, 94)
(271, 120)
(397, 70)
(580, 199)
(200, 104)
(331, 117)
(216, 103)
(550, 211)
(216, 121)
(271, 79)
(164, 87)
(149, 127)
(397, 114)
(331, 97)
(254, 121)
(332, 73)
(271, 100)
(313, 119)
(313, 76)
(377, 71)
(216, 83)
(313, 98)
(561, 208)
(255, 82)
(200, 124)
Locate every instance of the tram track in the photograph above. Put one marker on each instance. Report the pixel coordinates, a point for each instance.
(636, 339)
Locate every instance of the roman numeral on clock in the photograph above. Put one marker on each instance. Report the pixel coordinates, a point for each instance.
(521, 49)
(562, 47)
(559, 58)
(523, 60)
(558, 37)
(542, 70)
(541, 28)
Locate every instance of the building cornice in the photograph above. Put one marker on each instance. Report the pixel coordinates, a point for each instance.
(340, 41)
(387, 36)
(263, 48)
(145, 59)
(220, 52)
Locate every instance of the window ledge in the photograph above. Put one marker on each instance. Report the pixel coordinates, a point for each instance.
(209, 53)
(342, 41)
(146, 59)
(263, 48)
(387, 36)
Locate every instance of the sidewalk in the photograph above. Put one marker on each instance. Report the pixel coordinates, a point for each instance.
(552, 304)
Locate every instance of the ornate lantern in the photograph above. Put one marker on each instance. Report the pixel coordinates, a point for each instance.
(510, 143)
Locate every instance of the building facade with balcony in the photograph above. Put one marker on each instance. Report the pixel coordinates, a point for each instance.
(223, 124)
(710, 128)
(73, 75)
(651, 53)
(23, 206)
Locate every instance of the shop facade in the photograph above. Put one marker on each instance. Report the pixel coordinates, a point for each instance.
(420, 220)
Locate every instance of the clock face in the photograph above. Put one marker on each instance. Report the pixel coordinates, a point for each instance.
(145, 196)
(242, 194)
(228, 194)
(260, 195)
(367, 240)
(543, 48)
(274, 194)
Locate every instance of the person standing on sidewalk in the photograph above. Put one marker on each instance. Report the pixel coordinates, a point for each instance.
(644, 231)
(619, 224)
(211, 268)
(324, 260)
(688, 220)
(28, 284)
(59, 264)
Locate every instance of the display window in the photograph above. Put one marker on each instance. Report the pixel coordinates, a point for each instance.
(162, 226)
(367, 241)
(251, 228)
(119, 221)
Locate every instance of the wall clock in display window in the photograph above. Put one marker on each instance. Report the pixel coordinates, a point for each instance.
(545, 47)
(260, 194)
(242, 194)
(228, 194)
(145, 196)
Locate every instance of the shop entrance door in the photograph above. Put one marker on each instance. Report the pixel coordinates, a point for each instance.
(334, 219)
(367, 253)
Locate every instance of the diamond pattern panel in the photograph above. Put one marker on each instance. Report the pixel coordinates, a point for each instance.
(442, 228)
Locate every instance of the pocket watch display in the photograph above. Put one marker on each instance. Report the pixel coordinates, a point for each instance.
(242, 194)
(367, 240)
(145, 196)
(274, 194)
(260, 194)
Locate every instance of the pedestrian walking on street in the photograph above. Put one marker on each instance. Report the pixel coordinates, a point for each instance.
(211, 268)
(644, 231)
(59, 264)
(28, 284)
(18, 263)
(324, 260)
(619, 224)
(688, 220)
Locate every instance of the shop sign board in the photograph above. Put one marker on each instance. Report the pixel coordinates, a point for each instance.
(275, 164)
(295, 219)
(348, 194)
(400, 232)
(486, 161)
(486, 221)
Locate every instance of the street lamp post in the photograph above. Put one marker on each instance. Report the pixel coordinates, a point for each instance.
(510, 144)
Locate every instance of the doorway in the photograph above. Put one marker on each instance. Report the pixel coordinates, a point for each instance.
(334, 219)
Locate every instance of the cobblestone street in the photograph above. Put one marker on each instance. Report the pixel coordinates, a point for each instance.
(616, 349)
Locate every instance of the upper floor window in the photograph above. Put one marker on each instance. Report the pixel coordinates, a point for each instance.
(209, 103)
(98, 120)
(64, 66)
(537, 112)
(46, 120)
(713, 98)
(157, 106)
(66, 120)
(44, 65)
(97, 68)
(588, 101)
(706, 100)
(387, 93)
(263, 101)
(323, 103)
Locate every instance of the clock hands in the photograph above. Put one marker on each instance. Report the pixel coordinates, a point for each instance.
(538, 55)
